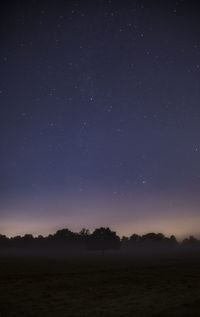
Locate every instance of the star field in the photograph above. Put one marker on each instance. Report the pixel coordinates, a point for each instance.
(100, 116)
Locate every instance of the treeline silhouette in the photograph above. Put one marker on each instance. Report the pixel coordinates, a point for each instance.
(101, 239)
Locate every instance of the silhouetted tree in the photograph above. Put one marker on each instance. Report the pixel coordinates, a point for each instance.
(134, 240)
(124, 242)
(27, 240)
(84, 235)
(173, 240)
(104, 239)
(65, 238)
(191, 241)
(4, 241)
(84, 232)
(63, 234)
(153, 237)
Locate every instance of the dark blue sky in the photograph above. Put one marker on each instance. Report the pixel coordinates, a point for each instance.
(100, 112)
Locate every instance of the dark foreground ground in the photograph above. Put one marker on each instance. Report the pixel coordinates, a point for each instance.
(101, 286)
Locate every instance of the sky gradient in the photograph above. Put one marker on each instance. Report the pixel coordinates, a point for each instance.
(100, 112)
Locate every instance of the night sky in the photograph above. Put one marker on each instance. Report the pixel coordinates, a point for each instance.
(100, 116)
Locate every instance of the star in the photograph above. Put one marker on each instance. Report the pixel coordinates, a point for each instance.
(144, 181)
(109, 109)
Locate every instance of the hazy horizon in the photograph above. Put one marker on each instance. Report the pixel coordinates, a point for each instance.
(126, 216)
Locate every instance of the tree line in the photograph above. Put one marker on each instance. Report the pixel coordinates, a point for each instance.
(100, 239)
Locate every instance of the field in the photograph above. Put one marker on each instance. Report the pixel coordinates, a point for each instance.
(97, 285)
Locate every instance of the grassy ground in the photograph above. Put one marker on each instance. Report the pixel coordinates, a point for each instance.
(100, 286)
